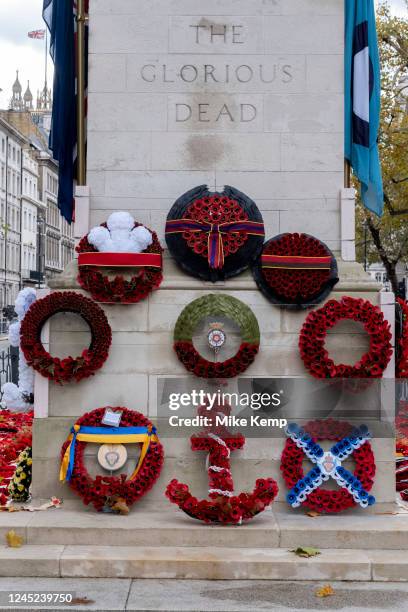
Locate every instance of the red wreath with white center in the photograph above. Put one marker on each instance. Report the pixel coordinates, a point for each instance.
(313, 337)
(70, 368)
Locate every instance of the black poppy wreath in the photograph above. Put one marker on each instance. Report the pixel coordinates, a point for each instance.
(303, 444)
(295, 270)
(216, 305)
(214, 235)
(94, 267)
(223, 506)
(70, 368)
(105, 492)
(314, 331)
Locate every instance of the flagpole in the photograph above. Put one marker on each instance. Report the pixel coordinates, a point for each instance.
(81, 174)
(46, 56)
(347, 174)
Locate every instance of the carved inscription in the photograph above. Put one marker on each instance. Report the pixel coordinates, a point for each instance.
(221, 73)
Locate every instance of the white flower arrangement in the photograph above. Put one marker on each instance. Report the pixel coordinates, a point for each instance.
(120, 235)
(14, 397)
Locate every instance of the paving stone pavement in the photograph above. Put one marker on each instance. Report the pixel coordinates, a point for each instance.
(211, 596)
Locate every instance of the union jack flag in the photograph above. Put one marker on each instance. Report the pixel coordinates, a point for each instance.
(39, 34)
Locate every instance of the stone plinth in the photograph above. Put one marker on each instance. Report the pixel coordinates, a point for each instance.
(248, 94)
(142, 352)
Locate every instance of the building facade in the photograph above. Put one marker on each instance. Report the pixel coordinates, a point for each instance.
(12, 144)
(58, 234)
(36, 242)
(32, 208)
(378, 272)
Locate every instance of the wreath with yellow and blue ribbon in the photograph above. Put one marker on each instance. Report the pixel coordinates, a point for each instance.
(107, 492)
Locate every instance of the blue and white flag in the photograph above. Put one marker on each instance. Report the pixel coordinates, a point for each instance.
(362, 100)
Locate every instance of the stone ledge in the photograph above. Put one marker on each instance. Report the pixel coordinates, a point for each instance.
(30, 561)
(389, 565)
(153, 529)
(213, 564)
(168, 526)
(348, 530)
(198, 563)
(351, 274)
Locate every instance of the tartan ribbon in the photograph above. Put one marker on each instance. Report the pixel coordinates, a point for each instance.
(120, 260)
(293, 262)
(215, 232)
(105, 435)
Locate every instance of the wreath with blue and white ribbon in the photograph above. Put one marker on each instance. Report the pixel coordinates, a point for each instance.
(350, 442)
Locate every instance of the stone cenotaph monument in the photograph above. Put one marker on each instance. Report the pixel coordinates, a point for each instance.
(223, 92)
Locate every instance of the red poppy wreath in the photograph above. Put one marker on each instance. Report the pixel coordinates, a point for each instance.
(106, 492)
(120, 243)
(313, 336)
(402, 360)
(214, 235)
(70, 368)
(295, 270)
(350, 442)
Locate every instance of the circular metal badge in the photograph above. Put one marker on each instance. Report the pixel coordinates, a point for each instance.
(216, 338)
(112, 456)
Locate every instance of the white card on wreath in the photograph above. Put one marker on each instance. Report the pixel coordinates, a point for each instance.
(111, 418)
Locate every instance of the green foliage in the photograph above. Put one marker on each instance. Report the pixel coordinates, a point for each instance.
(387, 238)
(19, 487)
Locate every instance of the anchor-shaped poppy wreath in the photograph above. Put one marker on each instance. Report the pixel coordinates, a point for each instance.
(224, 506)
(328, 465)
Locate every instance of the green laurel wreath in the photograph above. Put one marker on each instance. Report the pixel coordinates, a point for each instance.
(216, 305)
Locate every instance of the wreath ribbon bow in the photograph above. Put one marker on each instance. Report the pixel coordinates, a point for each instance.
(328, 465)
(106, 435)
(215, 232)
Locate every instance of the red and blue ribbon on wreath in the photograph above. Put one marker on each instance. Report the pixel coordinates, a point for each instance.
(215, 232)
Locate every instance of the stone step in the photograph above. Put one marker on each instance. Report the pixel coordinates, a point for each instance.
(277, 528)
(199, 563)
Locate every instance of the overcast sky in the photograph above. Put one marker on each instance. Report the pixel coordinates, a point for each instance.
(17, 51)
